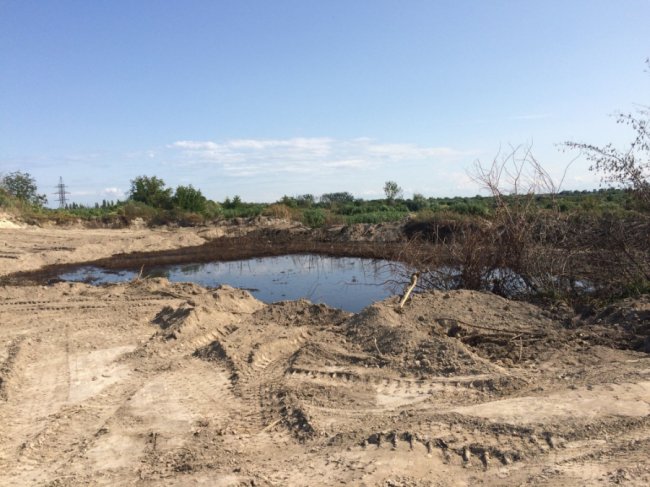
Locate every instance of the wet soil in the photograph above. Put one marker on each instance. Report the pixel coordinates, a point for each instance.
(257, 243)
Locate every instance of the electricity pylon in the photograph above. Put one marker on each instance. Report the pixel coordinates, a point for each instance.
(61, 192)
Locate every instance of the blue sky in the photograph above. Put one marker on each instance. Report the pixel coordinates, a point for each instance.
(263, 98)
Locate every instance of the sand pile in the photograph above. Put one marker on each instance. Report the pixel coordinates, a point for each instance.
(8, 221)
(153, 383)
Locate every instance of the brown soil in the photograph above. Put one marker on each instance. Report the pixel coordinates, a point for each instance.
(38, 256)
(153, 383)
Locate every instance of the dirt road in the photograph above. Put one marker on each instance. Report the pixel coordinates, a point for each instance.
(152, 383)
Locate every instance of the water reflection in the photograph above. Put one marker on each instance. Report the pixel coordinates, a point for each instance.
(343, 282)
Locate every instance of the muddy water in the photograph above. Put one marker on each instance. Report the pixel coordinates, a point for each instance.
(347, 283)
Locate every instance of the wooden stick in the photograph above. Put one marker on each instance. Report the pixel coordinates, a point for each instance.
(272, 425)
(414, 281)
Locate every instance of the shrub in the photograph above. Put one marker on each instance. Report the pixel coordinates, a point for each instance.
(375, 217)
(189, 199)
(244, 210)
(278, 210)
(212, 209)
(419, 202)
(314, 218)
(136, 209)
(333, 199)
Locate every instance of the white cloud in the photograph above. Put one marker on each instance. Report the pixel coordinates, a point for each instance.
(112, 192)
(251, 157)
(193, 145)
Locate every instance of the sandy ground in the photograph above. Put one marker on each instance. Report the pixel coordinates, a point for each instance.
(153, 383)
(25, 247)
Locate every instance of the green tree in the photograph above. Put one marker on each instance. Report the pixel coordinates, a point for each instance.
(306, 200)
(289, 201)
(331, 199)
(392, 191)
(300, 201)
(151, 191)
(233, 203)
(419, 202)
(23, 186)
(190, 199)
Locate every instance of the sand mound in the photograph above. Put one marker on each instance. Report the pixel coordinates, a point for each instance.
(158, 383)
(8, 221)
(449, 333)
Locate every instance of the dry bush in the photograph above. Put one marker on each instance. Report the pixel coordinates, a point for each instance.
(518, 251)
(278, 210)
(515, 252)
(526, 251)
(529, 254)
(614, 253)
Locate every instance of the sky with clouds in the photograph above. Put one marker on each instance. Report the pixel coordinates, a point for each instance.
(265, 98)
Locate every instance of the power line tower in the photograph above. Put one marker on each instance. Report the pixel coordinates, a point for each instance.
(61, 192)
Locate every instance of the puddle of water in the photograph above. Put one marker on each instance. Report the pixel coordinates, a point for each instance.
(347, 283)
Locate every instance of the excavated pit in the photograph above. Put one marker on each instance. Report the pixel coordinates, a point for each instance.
(158, 383)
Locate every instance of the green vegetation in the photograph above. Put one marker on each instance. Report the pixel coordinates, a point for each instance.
(22, 187)
(314, 218)
(151, 191)
(547, 240)
(189, 199)
(152, 201)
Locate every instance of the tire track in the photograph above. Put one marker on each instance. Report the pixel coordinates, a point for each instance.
(8, 365)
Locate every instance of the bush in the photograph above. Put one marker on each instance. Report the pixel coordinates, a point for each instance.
(278, 210)
(470, 208)
(244, 210)
(300, 201)
(375, 217)
(229, 204)
(212, 209)
(136, 209)
(333, 199)
(189, 199)
(6, 199)
(314, 218)
(419, 202)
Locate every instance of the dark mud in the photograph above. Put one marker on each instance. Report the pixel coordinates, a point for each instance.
(260, 243)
